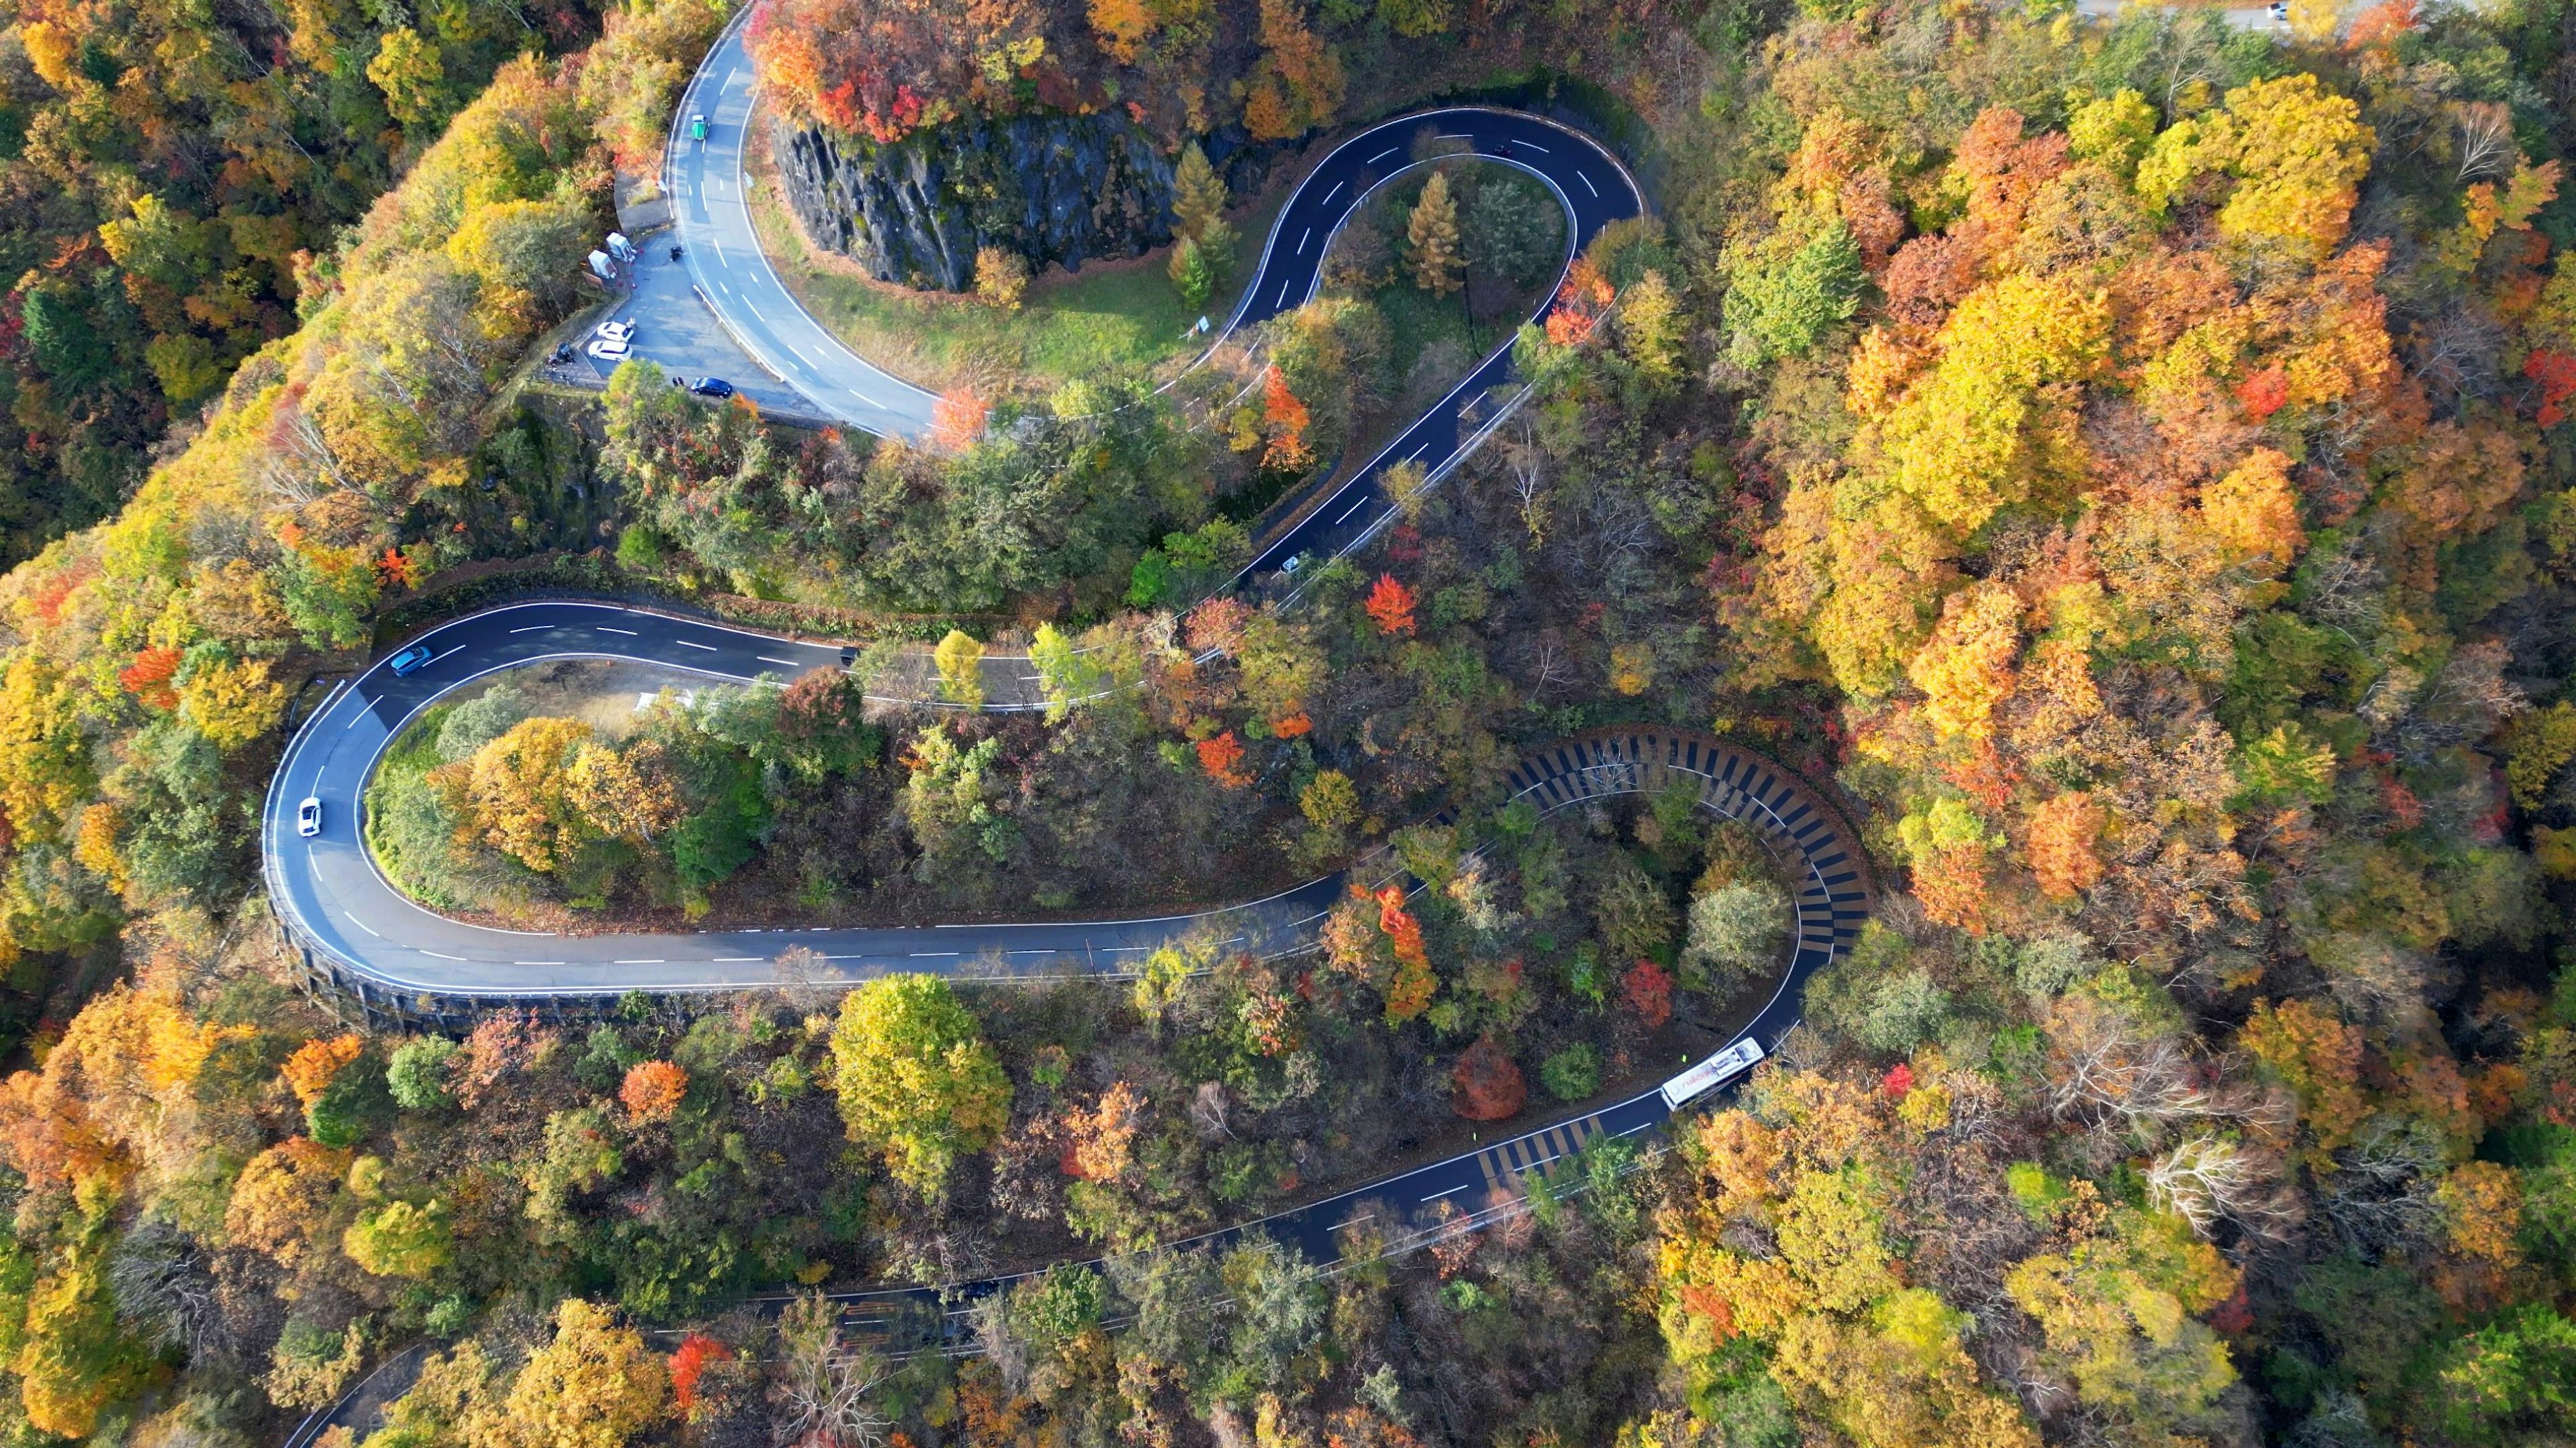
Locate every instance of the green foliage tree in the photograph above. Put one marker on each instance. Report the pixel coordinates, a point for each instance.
(916, 1079)
(1790, 290)
(401, 1239)
(416, 1075)
(1735, 933)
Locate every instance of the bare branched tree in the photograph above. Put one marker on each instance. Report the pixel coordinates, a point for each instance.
(826, 1387)
(2209, 1178)
(165, 1292)
(2487, 147)
(1525, 471)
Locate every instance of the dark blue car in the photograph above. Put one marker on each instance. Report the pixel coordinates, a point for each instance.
(409, 660)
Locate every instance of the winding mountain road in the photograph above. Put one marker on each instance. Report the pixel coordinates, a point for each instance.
(722, 257)
(344, 909)
(412, 966)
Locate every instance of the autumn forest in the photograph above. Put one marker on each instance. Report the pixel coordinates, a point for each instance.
(2122, 463)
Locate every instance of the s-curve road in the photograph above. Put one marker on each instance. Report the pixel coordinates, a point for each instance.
(341, 906)
(711, 216)
(1595, 190)
(331, 895)
(722, 256)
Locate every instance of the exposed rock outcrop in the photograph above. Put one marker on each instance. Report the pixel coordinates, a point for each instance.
(1054, 188)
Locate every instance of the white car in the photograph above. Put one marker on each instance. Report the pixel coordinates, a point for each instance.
(607, 349)
(617, 331)
(308, 817)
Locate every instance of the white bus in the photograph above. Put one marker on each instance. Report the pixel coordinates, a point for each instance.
(1712, 1073)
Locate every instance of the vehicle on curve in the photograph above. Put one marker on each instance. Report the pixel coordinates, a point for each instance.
(712, 387)
(408, 662)
(308, 817)
(698, 127)
(1712, 1073)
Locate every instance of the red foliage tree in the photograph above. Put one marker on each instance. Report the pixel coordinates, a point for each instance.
(1649, 989)
(1222, 758)
(1486, 1084)
(2556, 374)
(1390, 605)
(2263, 392)
(697, 1351)
(148, 677)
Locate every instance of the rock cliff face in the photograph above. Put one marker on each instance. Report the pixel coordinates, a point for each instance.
(1055, 189)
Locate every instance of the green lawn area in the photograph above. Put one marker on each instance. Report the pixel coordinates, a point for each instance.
(1110, 318)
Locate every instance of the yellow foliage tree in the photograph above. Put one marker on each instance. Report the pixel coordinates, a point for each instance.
(2296, 152)
(517, 791)
(961, 675)
(1994, 420)
(597, 1385)
(2119, 1309)
(1966, 669)
(2254, 510)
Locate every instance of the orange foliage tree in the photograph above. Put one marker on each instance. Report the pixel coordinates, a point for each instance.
(1222, 757)
(957, 419)
(1390, 605)
(1486, 1084)
(1411, 990)
(310, 1070)
(148, 677)
(1284, 419)
(652, 1090)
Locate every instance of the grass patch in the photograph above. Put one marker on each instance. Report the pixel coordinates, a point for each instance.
(1113, 317)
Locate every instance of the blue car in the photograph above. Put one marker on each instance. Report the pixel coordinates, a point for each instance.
(409, 660)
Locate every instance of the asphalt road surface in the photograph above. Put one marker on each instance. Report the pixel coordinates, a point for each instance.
(363, 931)
(1595, 190)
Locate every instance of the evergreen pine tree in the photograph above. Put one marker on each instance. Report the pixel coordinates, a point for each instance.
(1190, 272)
(1433, 235)
(1198, 194)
